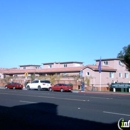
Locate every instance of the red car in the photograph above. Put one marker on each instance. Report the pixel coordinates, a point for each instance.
(61, 87)
(14, 86)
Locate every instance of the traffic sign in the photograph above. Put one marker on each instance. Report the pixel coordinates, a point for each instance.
(26, 74)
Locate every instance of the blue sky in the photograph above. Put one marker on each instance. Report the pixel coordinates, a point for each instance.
(40, 31)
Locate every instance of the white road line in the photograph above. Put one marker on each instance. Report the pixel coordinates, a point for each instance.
(60, 98)
(26, 101)
(46, 97)
(63, 98)
(101, 97)
(114, 113)
(4, 93)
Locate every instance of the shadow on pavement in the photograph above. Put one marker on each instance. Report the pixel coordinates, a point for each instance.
(43, 116)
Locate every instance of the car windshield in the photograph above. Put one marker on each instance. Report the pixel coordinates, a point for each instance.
(45, 81)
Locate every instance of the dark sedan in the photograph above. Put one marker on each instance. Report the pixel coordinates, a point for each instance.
(14, 86)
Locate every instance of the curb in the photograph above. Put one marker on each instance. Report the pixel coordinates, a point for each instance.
(24, 88)
(2, 87)
(75, 91)
(108, 93)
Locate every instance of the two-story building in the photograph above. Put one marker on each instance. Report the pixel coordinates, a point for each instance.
(112, 70)
(62, 64)
(64, 68)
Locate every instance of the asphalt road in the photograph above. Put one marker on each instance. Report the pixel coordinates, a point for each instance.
(44, 110)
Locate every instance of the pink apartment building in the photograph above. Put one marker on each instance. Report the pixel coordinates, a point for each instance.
(113, 70)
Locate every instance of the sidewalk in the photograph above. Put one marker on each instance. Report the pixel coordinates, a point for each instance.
(102, 92)
(2, 87)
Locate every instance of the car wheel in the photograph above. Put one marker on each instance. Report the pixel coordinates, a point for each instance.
(39, 88)
(62, 90)
(50, 89)
(13, 87)
(28, 87)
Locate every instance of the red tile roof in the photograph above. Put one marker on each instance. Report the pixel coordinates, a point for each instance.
(49, 70)
(95, 68)
(55, 70)
(63, 62)
(108, 59)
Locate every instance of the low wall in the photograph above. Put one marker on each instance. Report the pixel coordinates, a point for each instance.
(76, 85)
(91, 88)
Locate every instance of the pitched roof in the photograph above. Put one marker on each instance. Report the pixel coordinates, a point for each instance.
(95, 68)
(63, 62)
(109, 59)
(48, 70)
(28, 65)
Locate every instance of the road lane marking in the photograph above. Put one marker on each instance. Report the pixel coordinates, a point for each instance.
(26, 101)
(4, 93)
(101, 97)
(63, 98)
(107, 98)
(46, 97)
(114, 113)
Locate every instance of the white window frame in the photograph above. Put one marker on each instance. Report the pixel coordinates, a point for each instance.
(120, 75)
(111, 74)
(105, 63)
(65, 65)
(50, 66)
(64, 74)
(88, 73)
(126, 75)
(120, 63)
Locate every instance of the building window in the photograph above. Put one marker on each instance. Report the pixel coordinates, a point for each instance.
(111, 75)
(24, 67)
(50, 66)
(64, 74)
(120, 63)
(105, 63)
(65, 65)
(58, 73)
(120, 75)
(87, 73)
(126, 75)
(15, 75)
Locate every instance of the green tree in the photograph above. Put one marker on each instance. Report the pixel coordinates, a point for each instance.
(41, 77)
(52, 78)
(76, 78)
(32, 77)
(7, 79)
(125, 56)
(58, 77)
(87, 81)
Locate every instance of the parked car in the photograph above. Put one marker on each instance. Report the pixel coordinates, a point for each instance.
(61, 87)
(14, 85)
(39, 84)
